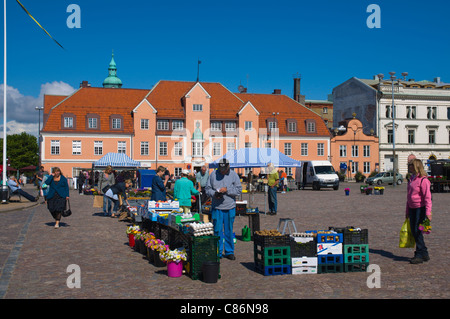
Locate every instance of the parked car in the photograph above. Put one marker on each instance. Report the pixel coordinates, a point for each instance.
(384, 177)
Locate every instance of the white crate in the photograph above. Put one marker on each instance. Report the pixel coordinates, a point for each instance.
(329, 248)
(304, 270)
(303, 239)
(303, 261)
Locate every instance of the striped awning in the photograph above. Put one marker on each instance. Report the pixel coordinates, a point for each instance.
(116, 160)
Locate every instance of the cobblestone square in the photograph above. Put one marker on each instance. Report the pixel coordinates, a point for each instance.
(34, 256)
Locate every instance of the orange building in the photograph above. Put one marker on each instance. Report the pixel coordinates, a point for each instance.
(177, 124)
(357, 150)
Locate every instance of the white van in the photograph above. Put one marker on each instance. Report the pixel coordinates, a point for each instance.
(318, 174)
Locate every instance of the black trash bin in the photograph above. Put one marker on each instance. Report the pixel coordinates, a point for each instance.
(4, 195)
(210, 271)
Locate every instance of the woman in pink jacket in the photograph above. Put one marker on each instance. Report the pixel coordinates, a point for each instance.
(418, 207)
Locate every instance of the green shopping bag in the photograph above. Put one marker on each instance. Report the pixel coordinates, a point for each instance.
(406, 237)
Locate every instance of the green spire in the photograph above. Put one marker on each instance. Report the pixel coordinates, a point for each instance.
(112, 81)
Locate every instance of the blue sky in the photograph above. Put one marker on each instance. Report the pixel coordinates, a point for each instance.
(259, 44)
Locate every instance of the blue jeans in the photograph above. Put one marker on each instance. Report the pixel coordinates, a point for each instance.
(417, 216)
(273, 199)
(223, 227)
(107, 204)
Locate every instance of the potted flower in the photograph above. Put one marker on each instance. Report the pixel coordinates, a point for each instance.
(174, 260)
(131, 231)
(157, 246)
(347, 191)
(369, 190)
(379, 190)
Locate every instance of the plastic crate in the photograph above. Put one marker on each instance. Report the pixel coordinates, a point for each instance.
(308, 249)
(273, 256)
(330, 259)
(330, 268)
(304, 270)
(270, 241)
(274, 270)
(356, 267)
(202, 248)
(326, 236)
(356, 254)
(353, 236)
(304, 262)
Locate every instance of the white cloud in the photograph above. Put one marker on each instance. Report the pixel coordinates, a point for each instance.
(21, 113)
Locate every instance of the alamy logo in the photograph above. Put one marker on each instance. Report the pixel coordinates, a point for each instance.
(74, 20)
(374, 19)
(74, 279)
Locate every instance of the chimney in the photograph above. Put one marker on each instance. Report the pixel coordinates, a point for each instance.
(84, 84)
(276, 91)
(297, 96)
(437, 80)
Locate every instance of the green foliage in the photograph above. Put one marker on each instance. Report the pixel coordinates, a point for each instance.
(21, 149)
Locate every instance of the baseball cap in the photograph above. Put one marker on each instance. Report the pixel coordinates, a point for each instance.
(223, 163)
(185, 172)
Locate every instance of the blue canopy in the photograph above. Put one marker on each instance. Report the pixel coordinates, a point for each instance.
(257, 157)
(116, 160)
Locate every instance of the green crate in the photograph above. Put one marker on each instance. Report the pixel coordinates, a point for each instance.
(356, 267)
(273, 256)
(201, 249)
(356, 249)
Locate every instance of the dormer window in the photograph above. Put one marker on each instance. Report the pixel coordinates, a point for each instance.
(291, 125)
(92, 121)
(310, 126)
(116, 122)
(68, 121)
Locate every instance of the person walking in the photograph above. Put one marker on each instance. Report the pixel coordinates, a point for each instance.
(158, 185)
(273, 180)
(80, 182)
(58, 194)
(183, 190)
(418, 207)
(223, 186)
(106, 180)
(113, 194)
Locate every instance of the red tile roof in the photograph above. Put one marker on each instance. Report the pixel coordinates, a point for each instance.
(101, 101)
(287, 108)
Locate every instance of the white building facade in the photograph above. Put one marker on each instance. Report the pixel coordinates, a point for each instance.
(419, 124)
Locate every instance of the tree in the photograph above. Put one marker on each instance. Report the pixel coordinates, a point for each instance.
(21, 149)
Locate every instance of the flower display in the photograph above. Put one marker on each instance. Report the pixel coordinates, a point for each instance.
(133, 230)
(347, 189)
(157, 245)
(425, 227)
(173, 255)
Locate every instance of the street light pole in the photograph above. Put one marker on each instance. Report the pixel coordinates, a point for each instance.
(393, 77)
(39, 108)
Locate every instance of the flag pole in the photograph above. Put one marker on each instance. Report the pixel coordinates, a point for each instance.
(5, 165)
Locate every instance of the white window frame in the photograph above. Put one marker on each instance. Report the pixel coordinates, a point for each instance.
(292, 127)
(216, 126)
(304, 149)
(217, 149)
(144, 148)
(231, 146)
(177, 125)
(163, 149)
(366, 150)
(116, 123)
(197, 149)
(366, 168)
(122, 147)
(320, 149)
(92, 122)
(230, 126)
(145, 124)
(98, 147)
(177, 171)
(342, 150)
(178, 149)
(355, 151)
(248, 125)
(197, 107)
(54, 147)
(76, 147)
(311, 127)
(288, 149)
(68, 122)
(162, 125)
(272, 126)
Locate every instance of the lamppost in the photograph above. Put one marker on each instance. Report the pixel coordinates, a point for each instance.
(39, 108)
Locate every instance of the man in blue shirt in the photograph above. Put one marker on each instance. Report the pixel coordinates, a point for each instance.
(158, 186)
(15, 189)
(223, 186)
